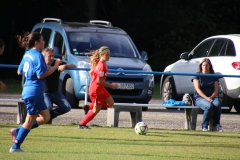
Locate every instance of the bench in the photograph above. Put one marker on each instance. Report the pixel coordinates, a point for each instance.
(135, 110)
(21, 113)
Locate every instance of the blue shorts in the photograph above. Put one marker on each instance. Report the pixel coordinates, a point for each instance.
(35, 104)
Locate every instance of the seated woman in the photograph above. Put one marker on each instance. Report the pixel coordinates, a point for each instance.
(205, 95)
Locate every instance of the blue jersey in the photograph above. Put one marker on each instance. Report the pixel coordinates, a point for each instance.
(206, 85)
(31, 66)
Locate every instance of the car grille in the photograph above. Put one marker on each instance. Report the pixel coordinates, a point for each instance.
(119, 92)
(120, 80)
(135, 92)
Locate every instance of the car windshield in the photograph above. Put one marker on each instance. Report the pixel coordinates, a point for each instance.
(119, 45)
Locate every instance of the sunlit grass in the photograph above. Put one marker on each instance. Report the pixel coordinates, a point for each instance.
(68, 142)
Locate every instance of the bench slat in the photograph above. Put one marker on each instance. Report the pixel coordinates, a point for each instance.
(158, 105)
(11, 100)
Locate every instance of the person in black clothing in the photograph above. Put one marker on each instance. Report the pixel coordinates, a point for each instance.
(51, 93)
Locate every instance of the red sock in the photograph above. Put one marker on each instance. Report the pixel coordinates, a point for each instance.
(90, 115)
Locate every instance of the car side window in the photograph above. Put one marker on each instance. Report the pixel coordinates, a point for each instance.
(230, 51)
(202, 49)
(217, 47)
(46, 33)
(59, 43)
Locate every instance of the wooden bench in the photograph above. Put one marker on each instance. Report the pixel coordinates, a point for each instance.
(135, 110)
(21, 113)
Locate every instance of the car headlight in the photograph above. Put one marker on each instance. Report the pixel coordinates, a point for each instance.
(147, 68)
(83, 64)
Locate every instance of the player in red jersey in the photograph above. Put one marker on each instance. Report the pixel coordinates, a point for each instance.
(97, 92)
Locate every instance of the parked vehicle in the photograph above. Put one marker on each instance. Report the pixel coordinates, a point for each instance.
(72, 42)
(224, 53)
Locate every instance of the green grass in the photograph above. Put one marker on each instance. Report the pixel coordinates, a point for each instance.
(156, 93)
(50, 142)
(15, 86)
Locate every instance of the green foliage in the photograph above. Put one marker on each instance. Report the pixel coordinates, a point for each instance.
(163, 28)
(50, 142)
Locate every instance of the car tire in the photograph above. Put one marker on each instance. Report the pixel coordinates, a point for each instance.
(70, 95)
(223, 97)
(236, 104)
(168, 90)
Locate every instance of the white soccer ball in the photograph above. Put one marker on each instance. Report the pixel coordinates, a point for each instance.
(141, 128)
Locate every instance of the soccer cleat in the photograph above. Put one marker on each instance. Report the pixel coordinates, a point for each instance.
(13, 133)
(83, 127)
(16, 150)
(86, 109)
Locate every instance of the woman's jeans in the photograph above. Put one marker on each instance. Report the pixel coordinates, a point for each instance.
(207, 107)
(59, 99)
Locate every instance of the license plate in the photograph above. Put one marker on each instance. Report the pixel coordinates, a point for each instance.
(125, 86)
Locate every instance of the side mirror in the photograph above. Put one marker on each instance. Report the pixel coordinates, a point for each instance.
(184, 56)
(144, 55)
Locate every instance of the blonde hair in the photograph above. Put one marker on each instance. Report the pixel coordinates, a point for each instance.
(96, 55)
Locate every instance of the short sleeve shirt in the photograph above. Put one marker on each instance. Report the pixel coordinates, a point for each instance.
(100, 71)
(206, 85)
(32, 66)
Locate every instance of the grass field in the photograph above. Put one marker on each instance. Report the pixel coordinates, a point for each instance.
(50, 142)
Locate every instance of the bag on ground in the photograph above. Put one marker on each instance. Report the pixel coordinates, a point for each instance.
(187, 99)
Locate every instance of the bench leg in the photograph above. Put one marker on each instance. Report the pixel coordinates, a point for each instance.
(191, 118)
(112, 117)
(136, 116)
(210, 126)
(21, 115)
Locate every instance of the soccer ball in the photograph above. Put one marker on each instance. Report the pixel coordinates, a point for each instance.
(141, 128)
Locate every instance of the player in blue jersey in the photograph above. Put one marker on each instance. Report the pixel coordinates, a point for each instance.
(34, 69)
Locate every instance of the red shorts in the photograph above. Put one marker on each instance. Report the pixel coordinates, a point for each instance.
(98, 98)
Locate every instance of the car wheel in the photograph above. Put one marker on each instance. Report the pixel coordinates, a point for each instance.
(223, 97)
(168, 90)
(70, 95)
(237, 105)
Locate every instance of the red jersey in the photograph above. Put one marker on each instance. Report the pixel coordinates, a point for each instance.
(100, 71)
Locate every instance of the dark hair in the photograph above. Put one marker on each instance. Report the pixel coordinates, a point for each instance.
(211, 71)
(1, 43)
(35, 36)
(28, 40)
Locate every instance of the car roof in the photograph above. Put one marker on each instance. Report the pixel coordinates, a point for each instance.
(230, 36)
(81, 26)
